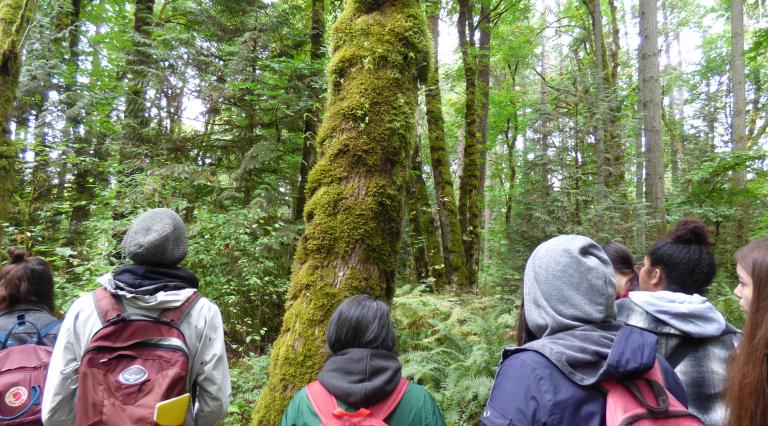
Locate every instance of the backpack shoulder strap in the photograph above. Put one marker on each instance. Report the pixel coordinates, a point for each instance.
(384, 408)
(322, 401)
(176, 315)
(49, 327)
(108, 305)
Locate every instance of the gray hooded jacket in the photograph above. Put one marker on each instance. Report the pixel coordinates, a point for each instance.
(695, 339)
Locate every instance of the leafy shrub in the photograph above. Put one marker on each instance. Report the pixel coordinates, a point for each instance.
(249, 375)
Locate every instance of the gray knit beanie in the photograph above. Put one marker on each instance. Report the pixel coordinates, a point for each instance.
(157, 237)
(568, 283)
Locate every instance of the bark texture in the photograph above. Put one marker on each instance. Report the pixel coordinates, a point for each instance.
(450, 230)
(469, 187)
(428, 259)
(15, 17)
(650, 96)
(739, 118)
(380, 50)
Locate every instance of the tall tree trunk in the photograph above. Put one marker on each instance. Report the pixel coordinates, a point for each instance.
(15, 17)
(483, 108)
(453, 248)
(425, 242)
(83, 191)
(510, 136)
(311, 117)
(595, 11)
(670, 113)
(139, 59)
(469, 188)
(355, 191)
(650, 95)
(739, 117)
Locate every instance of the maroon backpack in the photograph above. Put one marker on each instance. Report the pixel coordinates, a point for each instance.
(22, 375)
(133, 362)
(327, 408)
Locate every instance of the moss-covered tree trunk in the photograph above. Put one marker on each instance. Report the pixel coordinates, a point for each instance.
(428, 258)
(469, 187)
(15, 16)
(312, 116)
(355, 191)
(453, 248)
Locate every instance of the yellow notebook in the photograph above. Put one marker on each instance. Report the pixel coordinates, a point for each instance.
(172, 412)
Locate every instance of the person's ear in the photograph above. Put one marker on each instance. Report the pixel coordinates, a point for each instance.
(657, 279)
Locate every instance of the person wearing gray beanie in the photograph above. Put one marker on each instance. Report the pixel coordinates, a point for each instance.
(153, 284)
(574, 342)
(156, 237)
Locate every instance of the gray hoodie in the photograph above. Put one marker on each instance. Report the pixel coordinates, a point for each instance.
(695, 339)
(202, 328)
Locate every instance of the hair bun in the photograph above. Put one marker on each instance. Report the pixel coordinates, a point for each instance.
(16, 254)
(690, 231)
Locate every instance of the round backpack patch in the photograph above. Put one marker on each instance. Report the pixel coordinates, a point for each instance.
(16, 396)
(132, 375)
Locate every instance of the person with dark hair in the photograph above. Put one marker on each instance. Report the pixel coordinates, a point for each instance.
(26, 288)
(623, 262)
(362, 373)
(570, 342)
(747, 388)
(693, 336)
(150, 291)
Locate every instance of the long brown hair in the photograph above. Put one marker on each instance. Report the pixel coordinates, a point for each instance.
(747, 384)
(25, 280)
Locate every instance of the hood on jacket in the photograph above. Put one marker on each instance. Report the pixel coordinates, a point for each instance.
(568, 283)
(691, 314)
(361, 377)
(159, 301)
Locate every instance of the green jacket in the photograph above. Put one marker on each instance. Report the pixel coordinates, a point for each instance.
(417, 408)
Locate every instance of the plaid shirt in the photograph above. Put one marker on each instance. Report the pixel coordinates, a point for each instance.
(699, 362)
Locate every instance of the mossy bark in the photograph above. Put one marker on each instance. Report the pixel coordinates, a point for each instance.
(355, 191)
(428, 259)
(453, 248)
(469, 187)
(312, 116)
(15, 16)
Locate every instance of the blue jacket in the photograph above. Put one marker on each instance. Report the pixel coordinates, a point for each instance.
(531, 390)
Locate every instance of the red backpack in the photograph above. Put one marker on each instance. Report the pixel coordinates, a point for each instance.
(133, 362)
(22, 375)
(628, 402)
(327, 408)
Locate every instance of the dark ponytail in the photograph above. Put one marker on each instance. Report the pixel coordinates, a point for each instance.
(685, 257)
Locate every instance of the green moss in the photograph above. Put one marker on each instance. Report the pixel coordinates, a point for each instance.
(15, 16)
(355, 191)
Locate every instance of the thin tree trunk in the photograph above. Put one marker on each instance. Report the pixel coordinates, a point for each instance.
(424, 240)
(15, 17)
(453, 248)
(739, 117)
(469, 188)
(511, 134)
(650, 95)
(483, 84)
(355, 191)
(599, 100)
(311, 117)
